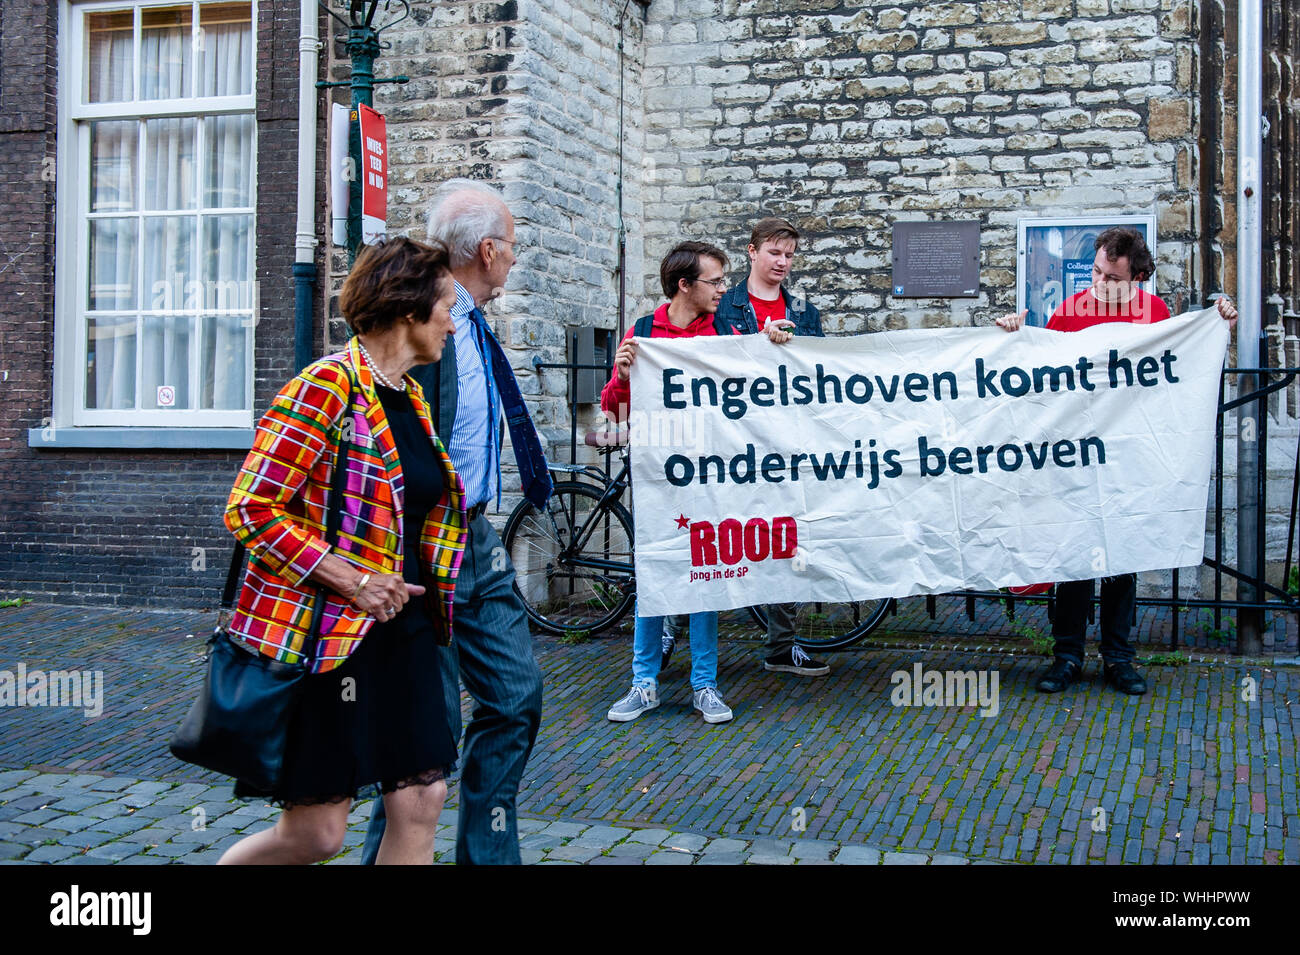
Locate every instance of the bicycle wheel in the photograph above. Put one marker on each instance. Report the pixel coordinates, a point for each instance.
(573, 561)
(830, 626)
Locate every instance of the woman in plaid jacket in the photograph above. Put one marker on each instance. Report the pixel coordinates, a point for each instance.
(373, 710)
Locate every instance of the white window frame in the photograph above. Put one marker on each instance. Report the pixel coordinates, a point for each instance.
(72, 240)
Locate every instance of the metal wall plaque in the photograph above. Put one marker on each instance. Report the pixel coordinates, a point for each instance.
(937, 259)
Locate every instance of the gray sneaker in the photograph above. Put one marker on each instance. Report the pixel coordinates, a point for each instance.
(711, 706)
(638, 700)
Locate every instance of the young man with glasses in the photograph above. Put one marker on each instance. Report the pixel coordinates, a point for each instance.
(759, 301)
(693, 278)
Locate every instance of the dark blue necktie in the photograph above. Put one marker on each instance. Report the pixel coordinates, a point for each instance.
(534, 476)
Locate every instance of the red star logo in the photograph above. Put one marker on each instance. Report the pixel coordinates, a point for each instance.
(683, 521)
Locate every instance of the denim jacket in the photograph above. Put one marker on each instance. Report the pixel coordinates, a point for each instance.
(735, 308)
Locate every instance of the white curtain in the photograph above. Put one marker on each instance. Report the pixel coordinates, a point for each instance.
(109, 59)
(165, 55)
(226, 61)
(226, 69)
(198, 259)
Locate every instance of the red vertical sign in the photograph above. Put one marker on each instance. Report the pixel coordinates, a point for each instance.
(374, 173)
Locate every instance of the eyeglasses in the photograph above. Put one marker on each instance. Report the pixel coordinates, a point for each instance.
(511, 242)
(716, 283)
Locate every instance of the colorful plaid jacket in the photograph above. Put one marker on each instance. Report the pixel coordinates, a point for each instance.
(278, 506)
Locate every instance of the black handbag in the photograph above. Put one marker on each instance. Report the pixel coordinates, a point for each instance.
(239, 725)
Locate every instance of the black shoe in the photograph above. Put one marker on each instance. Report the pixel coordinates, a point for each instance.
(1061, 675)
(1125, 678)
(795, 660)
(666, 648)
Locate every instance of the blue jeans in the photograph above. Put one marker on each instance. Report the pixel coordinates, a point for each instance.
(647, 644)
(492, 653)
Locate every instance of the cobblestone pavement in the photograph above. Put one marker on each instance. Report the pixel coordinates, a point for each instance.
(1202, 769)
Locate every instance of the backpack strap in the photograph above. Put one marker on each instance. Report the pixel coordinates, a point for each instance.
(644, 327)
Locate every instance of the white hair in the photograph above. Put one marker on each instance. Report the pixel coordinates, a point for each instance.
(463, 213)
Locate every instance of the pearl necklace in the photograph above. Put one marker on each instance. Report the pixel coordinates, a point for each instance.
(383, 379)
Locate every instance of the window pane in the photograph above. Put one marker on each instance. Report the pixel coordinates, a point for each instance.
(112, 264)
(112, 166)
(165, 45)
(225, 49)
(169, 146)
(228, 262)
(168, 263)
(110, 39)
(165, 361)
(225, 362)
(110, 363)
(228, 176)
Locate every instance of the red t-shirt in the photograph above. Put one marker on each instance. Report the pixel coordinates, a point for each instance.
(616, 395)
(1085, 310)
(767, 309)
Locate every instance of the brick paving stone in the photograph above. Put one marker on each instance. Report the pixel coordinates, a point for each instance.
(721, 858)
(725, 845)
(651, 837)
(539, 840)
(905, 858)
(70, 823)
(115, 851)
(564, 830)
(616, 860)
(51, 853)
(669, 858)
(37, 817)
(689, 841)
(573, 853)
(530, 856)
(945, 859)
(633, 850)
(87, 838)
(601, 837)
(145, 860)
(857, 855)
(147, 788)
(111, 784)
(13, 850)
(172, 849)
(769, 858)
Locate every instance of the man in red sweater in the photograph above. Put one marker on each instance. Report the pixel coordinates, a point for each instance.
(693, 278)
(1122, 261)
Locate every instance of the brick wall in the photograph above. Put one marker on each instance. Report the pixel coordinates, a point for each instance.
(129, 528)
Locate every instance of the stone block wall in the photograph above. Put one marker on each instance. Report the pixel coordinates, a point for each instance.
(846, 117)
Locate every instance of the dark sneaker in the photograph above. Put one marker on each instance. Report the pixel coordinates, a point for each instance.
(1061, 675)
(1125, 678)
(666, 648)
(795, 660)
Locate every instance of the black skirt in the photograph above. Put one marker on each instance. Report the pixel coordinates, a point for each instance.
(379, 718)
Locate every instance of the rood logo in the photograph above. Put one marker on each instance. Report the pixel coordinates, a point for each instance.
(730, 541)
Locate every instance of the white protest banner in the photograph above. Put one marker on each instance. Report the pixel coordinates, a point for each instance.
(919, 461)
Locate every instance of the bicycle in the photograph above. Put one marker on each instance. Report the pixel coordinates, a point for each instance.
(574, 561)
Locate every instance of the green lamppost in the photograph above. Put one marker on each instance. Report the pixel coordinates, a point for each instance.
(363, 45)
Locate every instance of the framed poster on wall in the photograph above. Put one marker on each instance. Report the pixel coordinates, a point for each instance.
(1054, 259)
